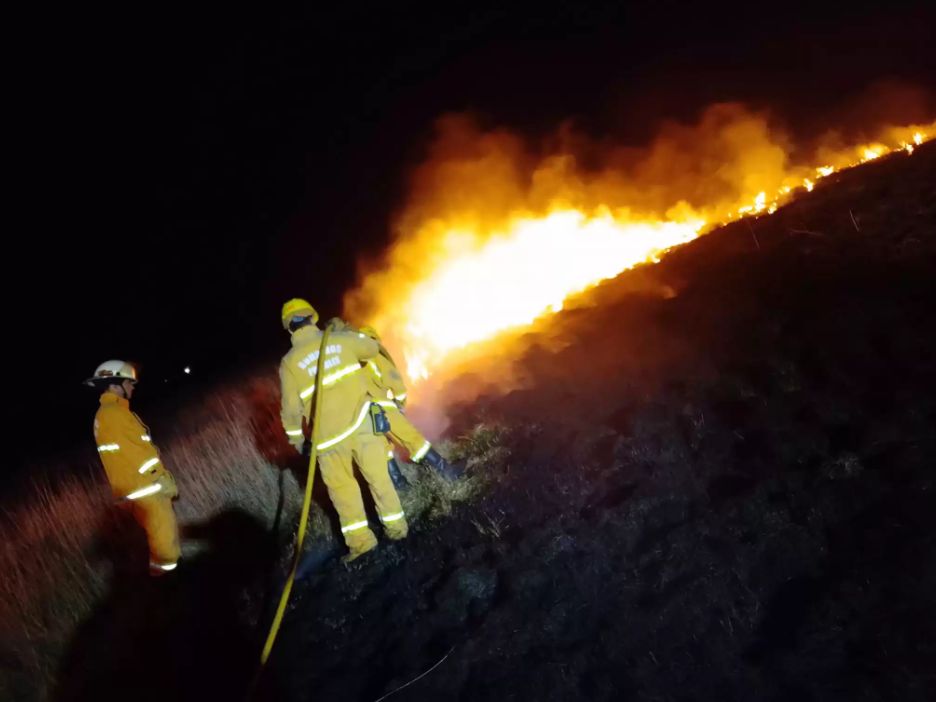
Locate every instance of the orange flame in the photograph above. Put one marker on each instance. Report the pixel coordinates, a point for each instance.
(495, 237)
(510, 277)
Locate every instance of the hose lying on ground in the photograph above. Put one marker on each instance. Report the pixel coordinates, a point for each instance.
(303, 518)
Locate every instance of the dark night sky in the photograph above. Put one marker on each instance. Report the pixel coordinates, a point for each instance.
(184, 172)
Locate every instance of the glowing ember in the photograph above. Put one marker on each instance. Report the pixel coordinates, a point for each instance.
(486, 246)
(760, 202)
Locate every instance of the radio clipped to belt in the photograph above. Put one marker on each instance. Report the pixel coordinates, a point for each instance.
(379, 419)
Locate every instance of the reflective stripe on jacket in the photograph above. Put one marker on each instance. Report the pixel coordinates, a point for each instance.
(384, 378)
(345, 399)
(131, 460)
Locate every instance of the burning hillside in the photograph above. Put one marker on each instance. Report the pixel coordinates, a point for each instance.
(723, 494)
(497, 234)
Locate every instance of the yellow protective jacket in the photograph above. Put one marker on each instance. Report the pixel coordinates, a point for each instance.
(385, 382)
(345, 399)
(386, 386)
(130, 458)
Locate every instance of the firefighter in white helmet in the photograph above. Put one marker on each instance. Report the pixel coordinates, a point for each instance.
(137, 476)
(388, 389)
(346, 429)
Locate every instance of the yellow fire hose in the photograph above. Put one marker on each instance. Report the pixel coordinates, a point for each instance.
(303, 519)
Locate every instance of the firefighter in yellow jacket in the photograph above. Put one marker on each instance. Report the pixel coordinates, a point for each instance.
(345, 429)
(137, 476)
(387, 387)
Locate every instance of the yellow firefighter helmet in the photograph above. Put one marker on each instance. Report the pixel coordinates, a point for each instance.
(368, 330)
(298, 308)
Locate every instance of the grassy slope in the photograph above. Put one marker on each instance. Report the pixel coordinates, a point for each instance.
(65, 554)
(723, 495)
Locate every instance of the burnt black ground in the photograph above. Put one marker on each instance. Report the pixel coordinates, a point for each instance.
(726, 494)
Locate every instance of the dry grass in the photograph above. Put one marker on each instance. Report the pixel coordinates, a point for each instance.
(54, 574)
(484, 453)
(49, 580)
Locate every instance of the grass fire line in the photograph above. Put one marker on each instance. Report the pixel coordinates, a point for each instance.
(56, 576)
(489, 243)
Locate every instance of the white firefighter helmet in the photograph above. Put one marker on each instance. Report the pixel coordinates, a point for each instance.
(111, 371)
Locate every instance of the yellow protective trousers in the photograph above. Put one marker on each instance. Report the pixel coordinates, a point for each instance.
(369, 451)
(404, 434)
(156, 516)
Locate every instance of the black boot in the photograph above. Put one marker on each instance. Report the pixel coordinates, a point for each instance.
(449, 471)
(396, 475)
